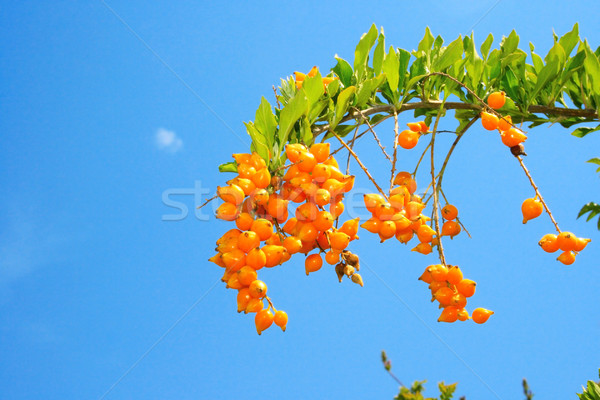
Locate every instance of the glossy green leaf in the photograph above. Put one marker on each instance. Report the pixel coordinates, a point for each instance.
(265, 121)
(259, 142)
(426, 42)
(333, 88)
(313, 88)
(297, 107)
(391, 66)
(451, 54)
(343, 70)
(367, 89)
(570, 39)
(509, 44)
(343, 101)
(361, 54)
(228, 167)
(582, 131)
(486, 45)
(547, 73)
(379, 54)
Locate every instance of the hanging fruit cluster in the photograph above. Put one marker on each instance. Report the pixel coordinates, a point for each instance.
(266, 236)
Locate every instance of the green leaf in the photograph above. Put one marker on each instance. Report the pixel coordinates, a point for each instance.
(449, 55)
(538, 63)
(485, 46)
(592, 68)
(265, 121)
(230, 166)
(426, 42)
(378, 54)
(343, 70)
(367, 89)
(570, 39)
(391, 66)
(584, 130)
(306, 132)
(361, 54)
(259, 142)
(292, 111)
(333, 87)
(404, 58)
(313, 87)
(593, 209)
(509, 44)
(342, 104)
(547, 73)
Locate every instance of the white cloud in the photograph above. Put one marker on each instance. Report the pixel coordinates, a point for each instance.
(168, 141)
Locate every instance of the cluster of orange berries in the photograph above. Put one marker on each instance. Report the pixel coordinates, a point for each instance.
(567, 242)
(451, 290)
(401, 216)
(511, 136)
(299, 77)
(258, 203)
(407, 139)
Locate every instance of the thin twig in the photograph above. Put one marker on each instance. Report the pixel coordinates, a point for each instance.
(360, 163)
(459, 135)
(436, 201)
(537, 192)
(361, 134)
(421, 159)
(352, 147)
(395, 149)
(207, 201)
(589, 114)
(276, 97)
(374, 134)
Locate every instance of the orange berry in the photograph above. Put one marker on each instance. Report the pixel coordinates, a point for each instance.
(480, 315)
(350, 227)
(323, 220)
(281, 318)
(408, 139)
(549, 243)
(234, 260)
(449, 314)
(505, 123)
(243, 297)
(496, 100)
(273, 254)
(233, 282)
(321, 173)
(463, 314)
(244, 221)
(257, 161)
(424, 127)
(277, 207)
(254, 305)
(372, 201)
(451, 228)
(248, 240)
(489, 121)
(332, 257)
(336, 209)
(306, 162)
(231, 194)
(373, 225)
(322, 197)
(217, 259)
(313, 263)
(290, 225)
(258, 289)
(292, 244)
(531, 208)
(263, 228)
(263, 320)
(437, 285)
(566, 241)
(449, 212)
(339, 240)
(247, 186)
(307, 212)
(387, 230)
(242, 158)
(246, 171)
(256, 258)
(444, 295)
(293, 151)
(320, 151)
(414, 126)
(466, 287)
(581, 243)
(247, 275)
(262, 178)
(413, 210)
(404, 236)
(308, 233)
(425, 233)
(227, 212)
(404, 178)
(455, 275)
(426, 276)
(438, 272)
(513, 137)
(567, 257)
(423, 248)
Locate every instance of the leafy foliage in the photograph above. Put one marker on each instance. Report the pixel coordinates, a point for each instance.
(592, 392)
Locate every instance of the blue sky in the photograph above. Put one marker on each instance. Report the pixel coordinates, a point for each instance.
(99, 120)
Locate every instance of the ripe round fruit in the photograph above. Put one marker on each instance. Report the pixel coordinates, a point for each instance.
(263, 320)
(258, 289)
(480, 315)
(408, 139)
(449, 314)
(531, 208)
(248, 240)
(549, 243)
(466, 287)
(263, 228)
(566, 241)
(247, 275)
(313, 263)
(567, 258)
(489, 121)
(281, 318)
(496, 100)
(449, 212)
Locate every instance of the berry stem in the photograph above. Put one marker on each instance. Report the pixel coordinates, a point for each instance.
(421, 159)
(276, 97)
(537, 192)
(395, 149)
(374, 134)
(352, 146)
(459, 136)
(436, 201)
(360, 134)
(360, 164)
(206, 202)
